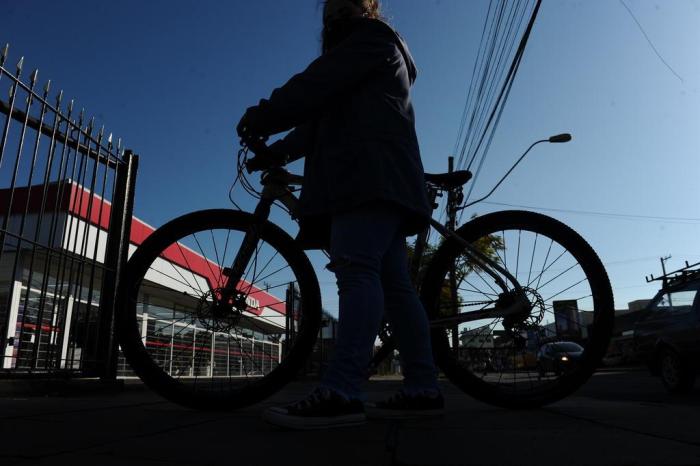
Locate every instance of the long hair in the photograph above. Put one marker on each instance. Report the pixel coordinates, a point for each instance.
(332, 34)
(370, 8)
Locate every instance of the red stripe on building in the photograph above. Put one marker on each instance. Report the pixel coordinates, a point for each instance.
(44, 328)
(79, 202)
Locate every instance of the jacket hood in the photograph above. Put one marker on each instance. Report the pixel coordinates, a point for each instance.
(410, 64)
(403, 47)
(400, 43)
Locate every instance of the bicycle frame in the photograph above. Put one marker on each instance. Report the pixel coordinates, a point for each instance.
(276, 187)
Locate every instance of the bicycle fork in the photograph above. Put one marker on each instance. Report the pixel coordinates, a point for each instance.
(234, 274)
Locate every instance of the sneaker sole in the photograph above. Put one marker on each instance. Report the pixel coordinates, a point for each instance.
(313, 423)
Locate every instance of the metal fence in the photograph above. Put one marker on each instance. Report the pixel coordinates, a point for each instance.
(66, 197)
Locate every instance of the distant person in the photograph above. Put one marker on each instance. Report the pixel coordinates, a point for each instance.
(363, 194)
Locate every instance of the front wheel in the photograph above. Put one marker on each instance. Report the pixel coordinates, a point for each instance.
(189, 345)
(568, 320)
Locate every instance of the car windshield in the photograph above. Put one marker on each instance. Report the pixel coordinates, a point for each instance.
(567, 347)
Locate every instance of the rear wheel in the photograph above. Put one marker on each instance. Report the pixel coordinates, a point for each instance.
(199, 352)
(570, 307)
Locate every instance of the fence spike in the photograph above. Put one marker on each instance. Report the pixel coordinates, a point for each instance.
(20, 64)
(59, 97)
(102, 131)
(47, 87)
(70, 105)
(34, 76)
(3, 56)
(109, 139)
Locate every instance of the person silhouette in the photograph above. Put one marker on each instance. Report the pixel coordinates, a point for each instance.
(351, 116)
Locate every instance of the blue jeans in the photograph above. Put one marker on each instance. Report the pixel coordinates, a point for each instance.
(370, 262)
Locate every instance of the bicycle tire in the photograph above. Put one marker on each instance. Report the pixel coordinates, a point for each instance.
(180, 391)
(597, 340)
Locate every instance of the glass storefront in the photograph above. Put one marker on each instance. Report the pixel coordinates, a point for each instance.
(185, 349)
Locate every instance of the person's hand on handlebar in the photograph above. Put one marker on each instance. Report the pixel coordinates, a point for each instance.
(245, 130)
(265, 156)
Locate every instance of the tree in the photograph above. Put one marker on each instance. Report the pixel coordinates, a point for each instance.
(450, 300)
(488, 245)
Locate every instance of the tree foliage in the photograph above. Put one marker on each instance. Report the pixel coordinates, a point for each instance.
(488, 245)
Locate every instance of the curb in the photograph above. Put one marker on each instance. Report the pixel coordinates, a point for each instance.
(59, 387)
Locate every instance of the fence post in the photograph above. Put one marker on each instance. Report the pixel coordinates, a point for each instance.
(116, 255)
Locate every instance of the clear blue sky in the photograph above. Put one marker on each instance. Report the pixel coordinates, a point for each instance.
(173, 77)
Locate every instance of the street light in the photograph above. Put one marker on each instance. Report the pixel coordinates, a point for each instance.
(556, 139)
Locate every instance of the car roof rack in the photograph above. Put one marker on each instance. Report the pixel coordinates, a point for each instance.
(683, 275)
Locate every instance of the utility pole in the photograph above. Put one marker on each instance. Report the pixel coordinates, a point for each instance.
(452, 224)
(664, 279)
(663, 268)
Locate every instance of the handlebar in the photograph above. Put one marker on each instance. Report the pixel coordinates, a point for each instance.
(256, 145)
(263, 157)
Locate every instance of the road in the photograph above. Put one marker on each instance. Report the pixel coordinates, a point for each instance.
(634, 384)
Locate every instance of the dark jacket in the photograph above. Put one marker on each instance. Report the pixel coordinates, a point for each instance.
(354, 122)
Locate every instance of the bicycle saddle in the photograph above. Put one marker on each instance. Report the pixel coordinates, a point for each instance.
(449, 180)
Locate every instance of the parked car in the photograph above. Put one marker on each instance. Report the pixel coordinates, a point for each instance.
(557, 357)
(667, 337)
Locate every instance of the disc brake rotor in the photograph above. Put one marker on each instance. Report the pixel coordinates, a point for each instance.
(217, 316)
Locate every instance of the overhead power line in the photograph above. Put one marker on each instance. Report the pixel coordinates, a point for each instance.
(465, 113)
(653, 47)
(505, 35)
(652, 218)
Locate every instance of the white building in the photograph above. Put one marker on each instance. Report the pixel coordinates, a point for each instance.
(49, 295)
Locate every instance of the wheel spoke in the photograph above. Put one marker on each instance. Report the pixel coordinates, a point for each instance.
(204, 256)
(532, 258)
(186, 282)
(189, 267)
(271, 274)
(548, 267)
(216, 253)
(544, 268)
(474, 289)
(517, 257)
(557, 276)
(566, 289)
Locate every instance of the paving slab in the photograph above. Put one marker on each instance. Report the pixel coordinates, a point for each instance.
(136, 427)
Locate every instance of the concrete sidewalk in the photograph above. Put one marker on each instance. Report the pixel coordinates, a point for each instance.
(135, 427)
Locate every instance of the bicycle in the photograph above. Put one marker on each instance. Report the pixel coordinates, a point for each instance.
(489, 315)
